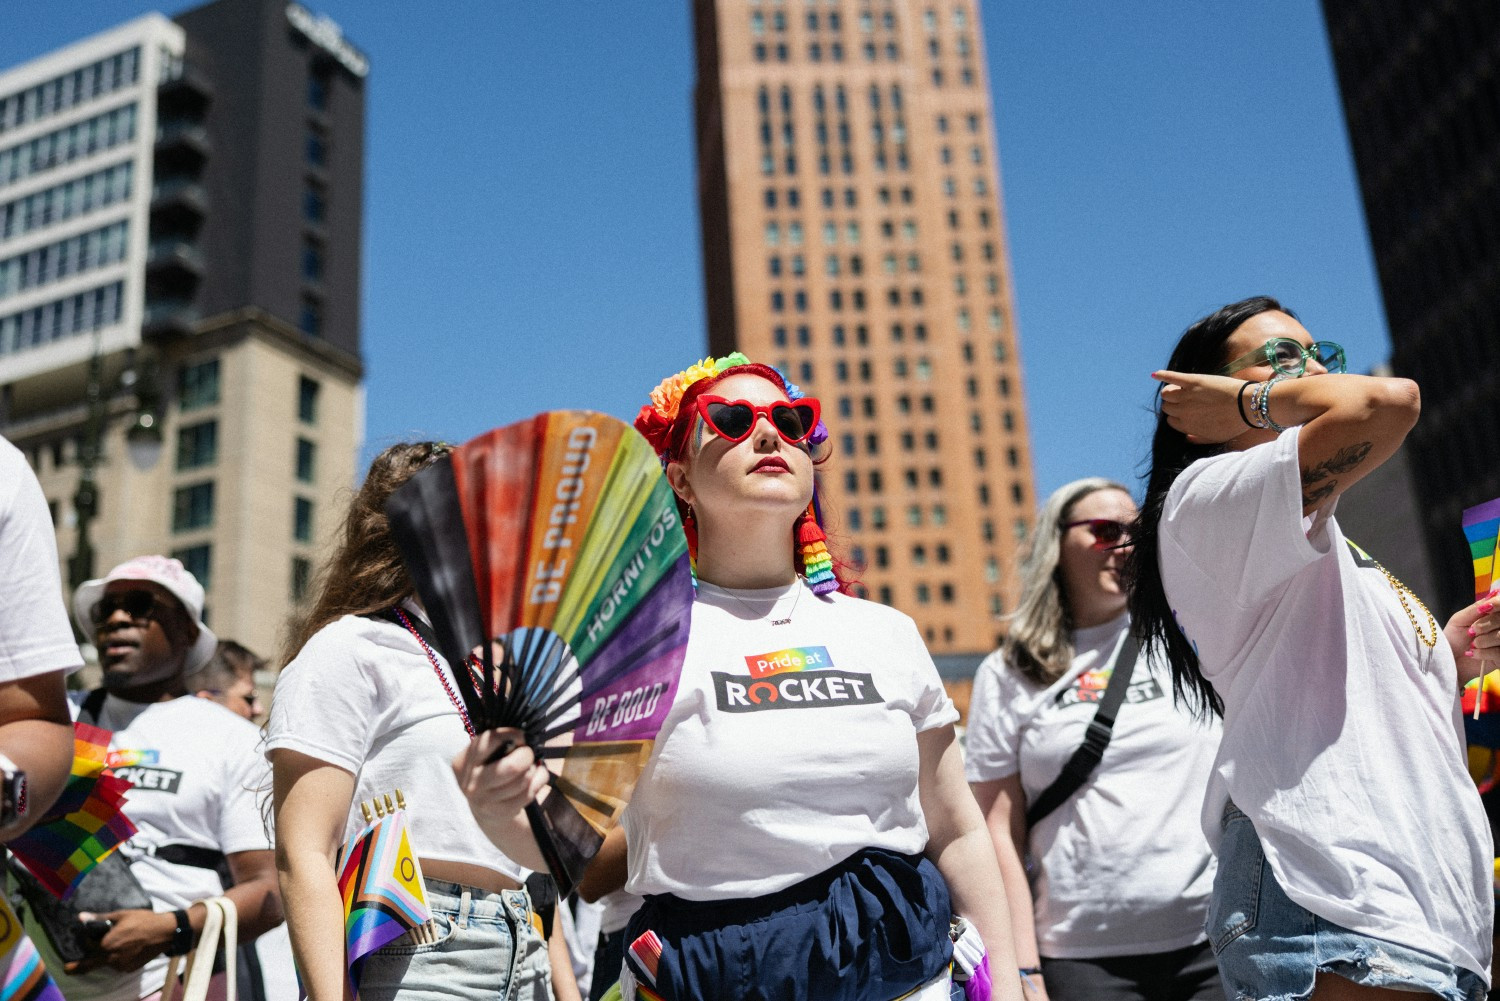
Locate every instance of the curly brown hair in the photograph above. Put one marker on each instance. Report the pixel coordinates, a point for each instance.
(365, 573)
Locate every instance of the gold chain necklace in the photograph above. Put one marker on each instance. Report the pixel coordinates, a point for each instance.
(1401, 592)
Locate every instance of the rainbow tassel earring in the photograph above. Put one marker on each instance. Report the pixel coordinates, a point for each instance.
(817, 563)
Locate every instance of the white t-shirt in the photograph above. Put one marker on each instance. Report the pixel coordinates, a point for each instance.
(34, 634)
(618, 908)
(788, 748)
(1343, 741)
(1123, 867)
(362, 695)
(199, 780)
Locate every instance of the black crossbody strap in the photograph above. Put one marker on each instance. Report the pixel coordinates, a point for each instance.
(1084, 760)
(92, 705)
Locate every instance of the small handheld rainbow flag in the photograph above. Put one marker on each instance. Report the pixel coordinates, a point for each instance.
(84, 825)
(381, 882)
(1481, 529)
(24, 977)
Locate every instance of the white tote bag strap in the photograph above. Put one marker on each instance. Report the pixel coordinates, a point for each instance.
(221, 923)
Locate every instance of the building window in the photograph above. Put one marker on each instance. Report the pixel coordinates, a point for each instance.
(307, 460)
(312, 259)
(314, 202)
(317, 90)
(310, 320)
(307, 399)
(924, 594)
(198, 384)
(56, 261)
(67, 144)
(301, 577)
(316, 149)
(198, 561)
(302, 519)
(193, 507)
(197, 445)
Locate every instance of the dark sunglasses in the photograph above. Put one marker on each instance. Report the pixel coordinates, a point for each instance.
(733, 420)
(1108, 533)
(141, 606)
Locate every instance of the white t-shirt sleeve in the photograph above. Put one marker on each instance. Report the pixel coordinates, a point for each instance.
(992, 746)
(1237, 520)
(34, 633)
(932, 708)
(247, 785)
(325, 704)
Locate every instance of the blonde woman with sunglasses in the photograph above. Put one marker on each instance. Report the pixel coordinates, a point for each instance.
(803, 830)
(1354, 858)
(1120, 871)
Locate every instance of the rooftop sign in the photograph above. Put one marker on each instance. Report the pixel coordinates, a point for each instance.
(325, 33)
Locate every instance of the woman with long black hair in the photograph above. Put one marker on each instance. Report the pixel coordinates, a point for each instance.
(1354, 858)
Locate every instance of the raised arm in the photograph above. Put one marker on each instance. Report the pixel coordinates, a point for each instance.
(499, 790)
(1350, 424)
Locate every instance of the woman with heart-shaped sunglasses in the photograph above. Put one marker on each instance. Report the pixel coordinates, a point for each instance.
(803, 829)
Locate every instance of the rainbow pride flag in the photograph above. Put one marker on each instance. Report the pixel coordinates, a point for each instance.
(25, 978)
(1481, 528)
(384, 896)
(85, 824)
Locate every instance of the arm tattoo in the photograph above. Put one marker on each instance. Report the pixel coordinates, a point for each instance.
(1342, 461)
(1312, 497)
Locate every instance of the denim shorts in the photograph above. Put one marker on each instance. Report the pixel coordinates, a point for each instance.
(1272, 949)
(484, 945)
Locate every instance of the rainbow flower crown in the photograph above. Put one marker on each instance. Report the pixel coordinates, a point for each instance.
(657, 419)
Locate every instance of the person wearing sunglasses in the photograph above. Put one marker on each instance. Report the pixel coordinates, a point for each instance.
(1120, 872)
(1354, 858)
(803, 829)
(197, 776)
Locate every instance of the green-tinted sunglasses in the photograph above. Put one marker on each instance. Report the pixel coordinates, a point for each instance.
(1288, 357)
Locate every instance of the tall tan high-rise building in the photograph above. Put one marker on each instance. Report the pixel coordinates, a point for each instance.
(852, 236)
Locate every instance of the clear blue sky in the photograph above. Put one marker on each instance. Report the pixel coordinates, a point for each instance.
(531, 236)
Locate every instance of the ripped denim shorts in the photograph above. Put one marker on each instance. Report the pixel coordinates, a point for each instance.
(1271, 949)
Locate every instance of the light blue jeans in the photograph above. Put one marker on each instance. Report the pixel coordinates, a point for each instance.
(1271, 949)
(485, 947)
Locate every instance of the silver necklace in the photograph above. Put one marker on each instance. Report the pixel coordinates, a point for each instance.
(759, 614)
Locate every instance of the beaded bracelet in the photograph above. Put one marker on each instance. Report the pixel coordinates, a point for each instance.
(1263, 404)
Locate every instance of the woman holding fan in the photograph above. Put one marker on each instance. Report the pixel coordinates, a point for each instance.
(1354, 857)
(803, 828)
(367, 706)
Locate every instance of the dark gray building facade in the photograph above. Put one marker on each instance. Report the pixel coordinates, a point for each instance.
(1420, 83)
(283, 123)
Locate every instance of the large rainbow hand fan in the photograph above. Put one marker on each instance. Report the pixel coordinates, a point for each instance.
(549, 554)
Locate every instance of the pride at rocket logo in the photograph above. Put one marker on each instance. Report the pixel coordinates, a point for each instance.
(794, 678)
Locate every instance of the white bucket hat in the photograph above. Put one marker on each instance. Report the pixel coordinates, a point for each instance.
(168, 573)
